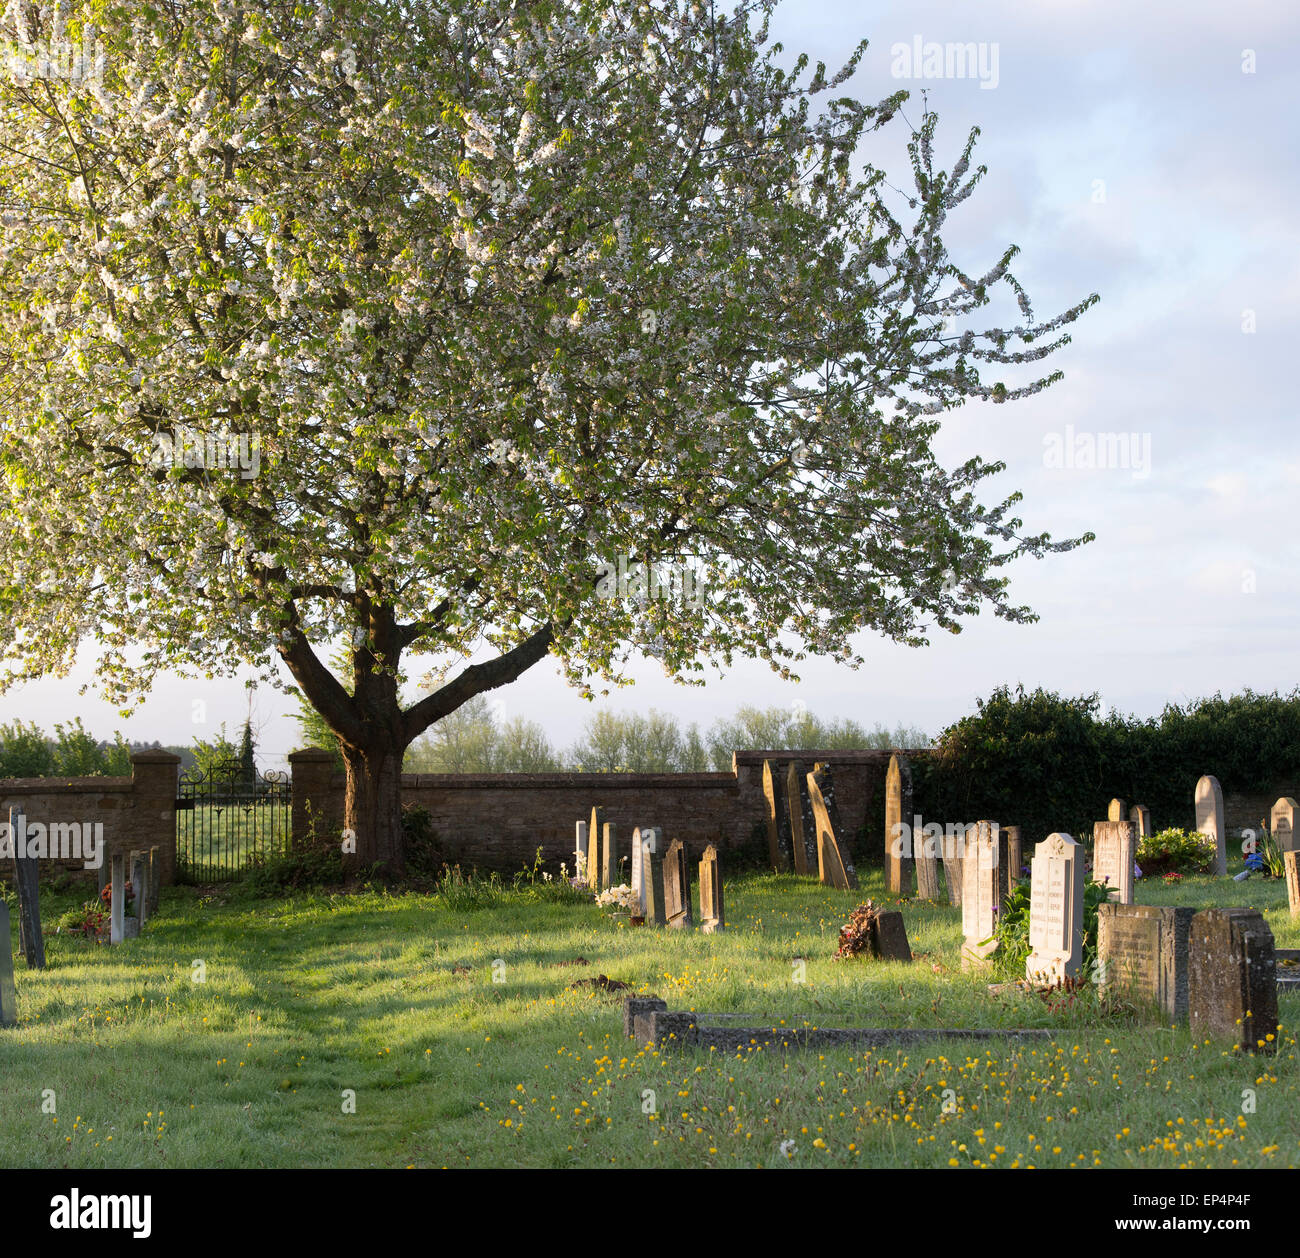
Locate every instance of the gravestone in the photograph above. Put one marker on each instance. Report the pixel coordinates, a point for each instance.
(580, 851)
(981, 892)
(1282, 823)
(1209, 819)
(1010, 857)
(8, 992)
(927, 845)
(778, 842)
(803, 829)
(117, 906)
(652, 876)
(1112, 858)
(1142, 950)
(954, 847)
(140, 885)
(1055, 910)
(677, 887)
(826, 785)
(609, 856)
(1232, 978)
(1115, 811)
(1291, 872)
(594, 828)
(712, 916)
(832, 868)
(634, 875)
(898, 807)
(891, 936)
(155, 879)
(27, 883)
(1140, 816)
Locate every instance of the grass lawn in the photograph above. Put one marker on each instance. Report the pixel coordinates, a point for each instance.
(393, 998)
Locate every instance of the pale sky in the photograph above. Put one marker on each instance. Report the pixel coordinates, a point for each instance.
(1191, 584)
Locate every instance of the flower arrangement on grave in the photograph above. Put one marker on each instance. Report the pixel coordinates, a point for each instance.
(857, 933)
(88, 920)
(106, 895)
(620, 897)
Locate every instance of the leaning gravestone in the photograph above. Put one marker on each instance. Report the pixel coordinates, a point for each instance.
(8, 993)
(1142, 950)
(1232, 978)
(954, 848)
(981, 893)
(677, 887)
(891, 936)
(832, 867)
(580, 851)
(1055, 910)
(803, 829)
(1282, 823)
(1115, 812)
(927, 846)
(1140, 816)
(117, 906)
(826, 785)
(778, 843)
(898, 811)
(1209, 819)
(1112, 858)
(594, 828)
(712, 916)
(27, 881)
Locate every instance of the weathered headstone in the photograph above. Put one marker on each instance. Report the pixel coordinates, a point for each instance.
(891, 936)
(778, 842)
(712, 915)
(643, 835)
(1142, 949)
(927, 847)
(1140, 816)
(832, 867)
(1113, 848)
(27, 882)
(1209, 819)
(8, 992)
(981, 892)
(1055, 910)
(1115, 811)
(652, 875)
(954, 848)
(140, 885)
(609, 856)
(1232, 978)
(594, 828)
(677, 887)
(1283, 823)
(826, 785)
(803, 829)
(117, 906)
(898, 806)
(1010, 857)
(1291, 872)
(580, 851)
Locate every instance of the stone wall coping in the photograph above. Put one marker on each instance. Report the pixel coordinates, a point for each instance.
(155, 756)
(58, 786)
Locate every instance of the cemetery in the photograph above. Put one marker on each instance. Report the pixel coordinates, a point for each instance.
(648, 1005)
(383, 360)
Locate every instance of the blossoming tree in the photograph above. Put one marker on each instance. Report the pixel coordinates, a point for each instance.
(495, 292)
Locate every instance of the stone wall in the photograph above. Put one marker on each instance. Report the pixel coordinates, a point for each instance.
(137, 812)
(499, 820)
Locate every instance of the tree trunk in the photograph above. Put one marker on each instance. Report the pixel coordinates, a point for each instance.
(372, 808)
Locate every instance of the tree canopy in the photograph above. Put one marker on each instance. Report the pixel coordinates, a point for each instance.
(400, 323)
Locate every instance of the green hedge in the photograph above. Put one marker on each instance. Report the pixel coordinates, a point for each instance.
(1046, 762)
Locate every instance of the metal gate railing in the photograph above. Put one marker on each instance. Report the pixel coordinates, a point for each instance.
(225, 817)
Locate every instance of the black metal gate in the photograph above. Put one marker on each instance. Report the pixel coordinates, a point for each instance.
(228, 817)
